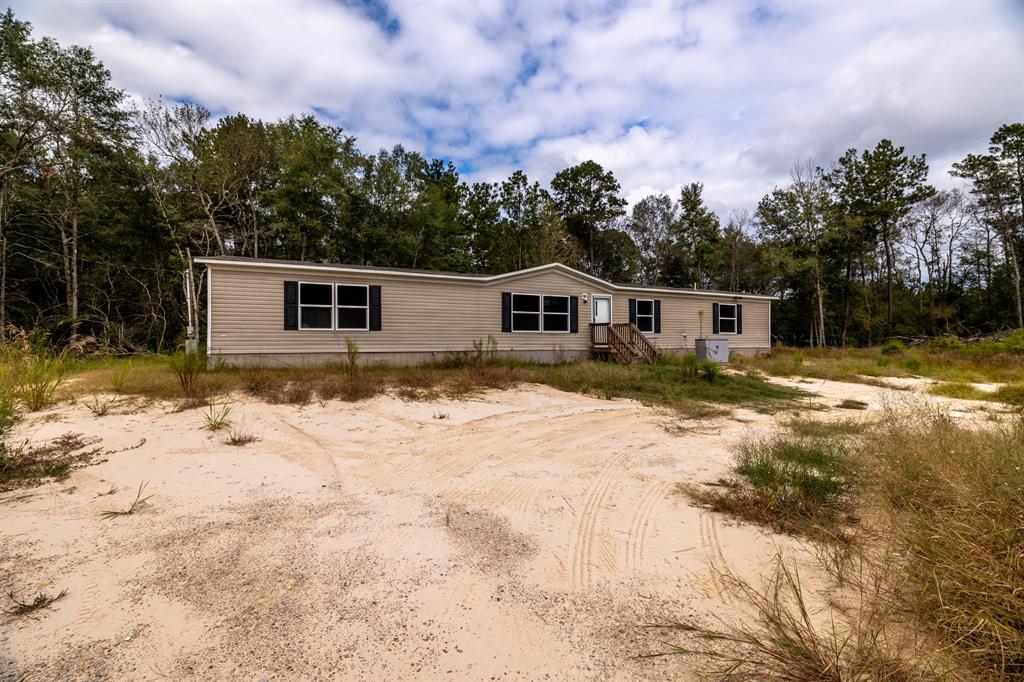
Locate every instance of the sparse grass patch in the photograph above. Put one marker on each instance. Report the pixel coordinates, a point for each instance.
(939, 531)
(130, 509)
(187, 366)
(819, 428)
(42, 600)
(953, 496)
(677, 383)
(1012, 394)
(217, 417)
(794, 484)
(29, 465)
(100, 407)
(38, 378)
(944, 360)
(956, 389)
(788, 642)
(238, 436)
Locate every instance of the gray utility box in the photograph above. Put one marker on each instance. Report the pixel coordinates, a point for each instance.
(713, 349)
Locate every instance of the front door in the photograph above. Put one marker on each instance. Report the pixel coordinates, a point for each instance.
(602, 310)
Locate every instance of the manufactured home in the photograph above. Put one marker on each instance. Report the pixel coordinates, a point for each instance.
(275, 312)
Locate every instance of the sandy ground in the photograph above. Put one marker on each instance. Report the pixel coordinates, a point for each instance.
(527, 534)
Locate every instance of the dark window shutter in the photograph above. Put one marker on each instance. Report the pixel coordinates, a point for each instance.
(657, 316)
(714, 318)
(506, 311)
(374, 309)
(739, 318)
(574, 314)
(291, 305)
(632, 311)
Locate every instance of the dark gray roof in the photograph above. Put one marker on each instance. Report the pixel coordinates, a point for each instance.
(371, 268)
(374, 268)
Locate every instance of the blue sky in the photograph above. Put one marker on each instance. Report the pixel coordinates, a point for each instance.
(728, 93)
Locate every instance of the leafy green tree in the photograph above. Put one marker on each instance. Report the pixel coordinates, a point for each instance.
(795, 224)
(877, 189)
(588, 201)
(997, 183)
(650, 224)
(695, 234)
(24, 79)
(86, 121)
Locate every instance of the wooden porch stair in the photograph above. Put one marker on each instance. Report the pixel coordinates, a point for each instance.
(623, 342)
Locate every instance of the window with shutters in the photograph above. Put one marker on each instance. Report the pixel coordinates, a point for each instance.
(353, 304)
(726, 318)
(645, 315)
(540, 313)
(315, 306)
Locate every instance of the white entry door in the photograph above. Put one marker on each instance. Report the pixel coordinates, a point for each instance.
(602, 310)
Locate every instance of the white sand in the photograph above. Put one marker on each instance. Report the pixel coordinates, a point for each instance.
(529, 535)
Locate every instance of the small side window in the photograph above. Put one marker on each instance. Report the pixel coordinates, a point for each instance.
(727, 318)
(645, 315)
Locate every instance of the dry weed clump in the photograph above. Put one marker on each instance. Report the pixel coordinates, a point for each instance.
(788, 639)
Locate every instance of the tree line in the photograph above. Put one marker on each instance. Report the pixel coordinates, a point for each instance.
(102, 203)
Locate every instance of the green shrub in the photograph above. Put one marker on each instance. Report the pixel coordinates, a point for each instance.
(1013, 343)
(893, 347)
(710, 370)
(946, 343)
(187, 366)
(912, 364)
(882, 361)
(1010, 393)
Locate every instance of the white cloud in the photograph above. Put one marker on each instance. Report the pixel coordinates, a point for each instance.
(731, 94)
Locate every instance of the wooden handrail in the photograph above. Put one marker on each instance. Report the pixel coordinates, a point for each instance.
(625, 339)
(620, 345)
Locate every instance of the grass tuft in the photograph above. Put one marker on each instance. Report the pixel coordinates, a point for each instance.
(187, 366)
(101, 407)
(130, 509)
(217, 417)
(239, 437)
(38, 378)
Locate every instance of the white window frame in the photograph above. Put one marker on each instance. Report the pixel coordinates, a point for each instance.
(651, 316)
(540, 323)
(727, 317)
(567, 314)
(301, 305)
(351, 307)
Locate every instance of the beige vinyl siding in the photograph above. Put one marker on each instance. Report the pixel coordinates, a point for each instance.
(417, 314)
(431, 315)
(680, 323)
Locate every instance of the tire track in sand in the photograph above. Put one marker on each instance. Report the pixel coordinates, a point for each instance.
(586, 523)
(639, 524)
